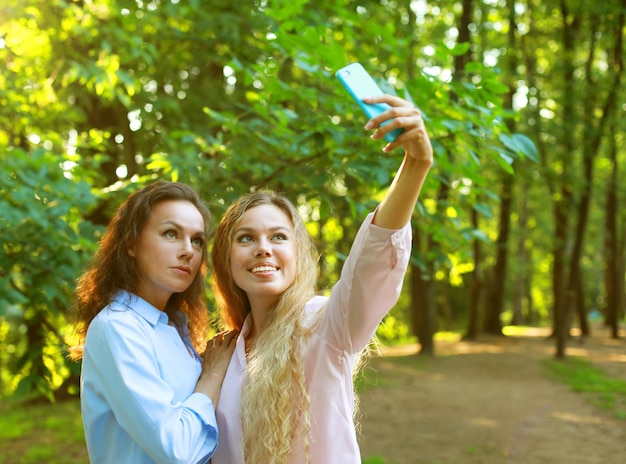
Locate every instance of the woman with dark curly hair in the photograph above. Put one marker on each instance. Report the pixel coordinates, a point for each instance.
(147, 396)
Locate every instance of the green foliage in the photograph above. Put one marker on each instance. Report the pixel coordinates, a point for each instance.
(603, 391)
(227, 97)
(394, 331)
(46, 241)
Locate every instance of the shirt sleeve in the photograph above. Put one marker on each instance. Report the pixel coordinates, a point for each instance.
(143, 403)
(369, 286)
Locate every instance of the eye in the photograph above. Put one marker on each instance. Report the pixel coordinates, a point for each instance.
(279, 237)
(198, 242)
(244, 238)
(170, 233)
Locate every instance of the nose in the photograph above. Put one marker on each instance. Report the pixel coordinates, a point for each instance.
(186, 249)
(263, 248)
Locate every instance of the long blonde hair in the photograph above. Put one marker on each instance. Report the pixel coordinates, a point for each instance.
(274, 400)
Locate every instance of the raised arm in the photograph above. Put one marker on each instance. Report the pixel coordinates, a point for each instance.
(397, 206)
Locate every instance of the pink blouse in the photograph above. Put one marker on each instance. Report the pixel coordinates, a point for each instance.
(370, 284)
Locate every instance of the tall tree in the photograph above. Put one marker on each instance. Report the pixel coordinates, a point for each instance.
(495, 295)
(594, 129)
(615, 243)
(570, 29)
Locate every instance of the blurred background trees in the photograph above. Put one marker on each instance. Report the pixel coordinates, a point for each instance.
(519, 223)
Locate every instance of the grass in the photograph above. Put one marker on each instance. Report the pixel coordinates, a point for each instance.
(42, 432)
(32, 433)
(604, 392)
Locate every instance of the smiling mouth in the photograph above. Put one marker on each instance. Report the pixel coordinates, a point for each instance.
(264, 268)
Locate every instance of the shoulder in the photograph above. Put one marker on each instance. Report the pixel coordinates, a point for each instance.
(117, 321)
(115, 313)
(315, 303)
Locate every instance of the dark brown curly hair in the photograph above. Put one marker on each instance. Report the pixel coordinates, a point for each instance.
(112, 269)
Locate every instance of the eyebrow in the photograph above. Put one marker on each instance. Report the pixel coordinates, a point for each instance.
(180, 227)
(252, 229)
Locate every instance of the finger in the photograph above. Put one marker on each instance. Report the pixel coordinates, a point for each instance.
(389, 99)
(399, 122)
(217, 339)
(231, 336)
(394, 118)
(393, 114)
(412, 134)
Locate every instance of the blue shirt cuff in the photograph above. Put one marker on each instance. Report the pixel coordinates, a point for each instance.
(203, 407)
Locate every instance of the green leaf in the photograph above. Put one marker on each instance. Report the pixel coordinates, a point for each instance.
(460, 48)
(520, 145)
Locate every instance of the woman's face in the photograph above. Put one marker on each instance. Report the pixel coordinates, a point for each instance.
(168, 251)
(263, 254)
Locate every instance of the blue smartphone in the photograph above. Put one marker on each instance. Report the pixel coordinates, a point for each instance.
(359, 85)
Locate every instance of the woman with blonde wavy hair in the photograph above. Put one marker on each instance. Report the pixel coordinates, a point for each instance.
(288, 394)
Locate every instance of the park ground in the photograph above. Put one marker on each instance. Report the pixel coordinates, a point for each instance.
(491, 401)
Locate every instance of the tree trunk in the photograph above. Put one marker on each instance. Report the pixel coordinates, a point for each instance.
(614, 251)
(521, 292)
(475, 285)
(558, 276)
(581, 311)
(621, 285)
(443, 309)
(495, 297)
(465, 20)
(423, 303)
(460, 61)
(570, 30)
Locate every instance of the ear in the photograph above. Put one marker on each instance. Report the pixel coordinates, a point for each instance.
(130, 249)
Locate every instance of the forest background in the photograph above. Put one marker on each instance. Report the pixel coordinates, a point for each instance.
(519, 223)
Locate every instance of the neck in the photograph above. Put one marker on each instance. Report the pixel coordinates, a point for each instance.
(260, 310)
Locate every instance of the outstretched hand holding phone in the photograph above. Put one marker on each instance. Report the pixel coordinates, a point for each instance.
(361, 85)
(400, 123)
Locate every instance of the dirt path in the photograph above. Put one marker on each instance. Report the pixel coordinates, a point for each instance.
(490, 402)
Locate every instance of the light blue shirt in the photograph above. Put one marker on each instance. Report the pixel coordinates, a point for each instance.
(137, 389)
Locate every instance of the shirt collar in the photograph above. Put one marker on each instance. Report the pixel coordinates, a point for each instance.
(140, 306)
